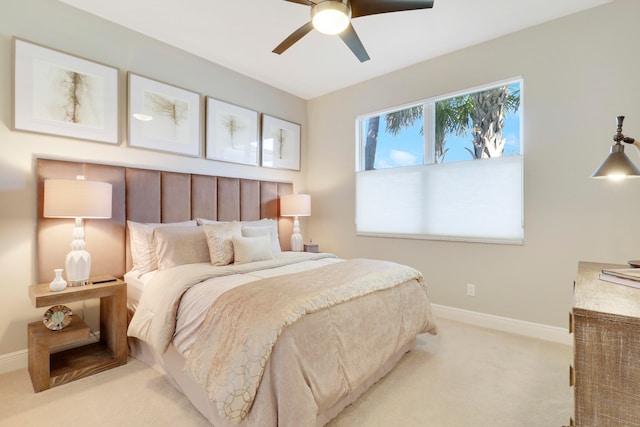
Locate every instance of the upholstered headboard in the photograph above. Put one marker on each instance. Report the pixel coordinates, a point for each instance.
(145, 195)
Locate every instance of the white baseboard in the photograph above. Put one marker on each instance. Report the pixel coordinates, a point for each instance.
(18, 360)
(13, 361)
(505, 324)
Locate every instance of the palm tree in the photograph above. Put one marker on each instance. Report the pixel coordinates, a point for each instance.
(451, 117)
(373, 126)
(481, 112)
(394, 123)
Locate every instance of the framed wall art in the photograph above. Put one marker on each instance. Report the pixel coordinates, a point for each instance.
(61, 94)
(231, 133)
(280, 143)
(163, 117)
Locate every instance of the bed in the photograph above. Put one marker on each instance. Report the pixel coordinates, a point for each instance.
(219, 328)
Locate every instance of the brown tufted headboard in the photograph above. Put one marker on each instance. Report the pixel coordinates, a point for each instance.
(145, 195)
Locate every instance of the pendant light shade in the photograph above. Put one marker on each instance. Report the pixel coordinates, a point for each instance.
(618, 166)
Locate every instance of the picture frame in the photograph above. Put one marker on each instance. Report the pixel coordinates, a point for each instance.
(65, 95)
(280, 143)
(232, 133)
(163, 117)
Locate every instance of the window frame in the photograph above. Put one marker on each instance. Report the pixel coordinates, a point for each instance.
(429, 156)
(429, 107)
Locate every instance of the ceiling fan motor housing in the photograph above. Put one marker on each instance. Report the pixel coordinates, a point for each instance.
(342, 11)
(331, 16)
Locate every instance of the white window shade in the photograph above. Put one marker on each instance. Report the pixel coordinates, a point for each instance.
(476, 200)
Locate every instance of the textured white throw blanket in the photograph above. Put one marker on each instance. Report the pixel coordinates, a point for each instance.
(242, 326)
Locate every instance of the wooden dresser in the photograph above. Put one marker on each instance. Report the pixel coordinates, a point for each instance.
(606, 371)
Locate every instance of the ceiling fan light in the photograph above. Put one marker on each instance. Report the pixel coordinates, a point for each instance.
(330, 17)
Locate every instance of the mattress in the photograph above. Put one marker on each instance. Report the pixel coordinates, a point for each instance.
(135, 285)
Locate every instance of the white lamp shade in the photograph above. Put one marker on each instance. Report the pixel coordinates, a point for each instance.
(295, 205)
(77, 198)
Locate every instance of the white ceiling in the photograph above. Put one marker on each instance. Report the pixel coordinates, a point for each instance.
(240, 34)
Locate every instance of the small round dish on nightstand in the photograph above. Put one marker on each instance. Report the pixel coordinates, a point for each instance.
(57, 317)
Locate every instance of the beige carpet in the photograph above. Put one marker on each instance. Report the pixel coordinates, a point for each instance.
(466, 376)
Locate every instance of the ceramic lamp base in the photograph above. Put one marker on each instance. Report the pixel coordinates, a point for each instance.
(78, 267)
(296, 237)
(78, 261)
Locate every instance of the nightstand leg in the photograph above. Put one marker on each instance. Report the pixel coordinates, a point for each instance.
(38, 364)
(113, 324)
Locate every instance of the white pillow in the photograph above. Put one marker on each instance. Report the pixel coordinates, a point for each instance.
(180, 245)
(273, 225)
(251, 249)
(143, 247)
(256, 231)
(219, 242)
(203, 221)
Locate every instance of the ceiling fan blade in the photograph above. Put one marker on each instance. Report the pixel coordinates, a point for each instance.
(304, 2)
(372, 7)
(351, 39)
(293, 38)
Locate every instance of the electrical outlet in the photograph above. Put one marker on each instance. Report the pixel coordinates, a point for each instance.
(471, 289)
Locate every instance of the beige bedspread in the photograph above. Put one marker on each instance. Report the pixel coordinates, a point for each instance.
(320, 363)
(242, 326)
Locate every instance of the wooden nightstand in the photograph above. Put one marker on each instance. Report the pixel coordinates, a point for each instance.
(311, 248)
(47, 368)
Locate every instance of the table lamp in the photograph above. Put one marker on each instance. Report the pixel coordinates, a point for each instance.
(618, 166)
(78, 199)
(295, 205)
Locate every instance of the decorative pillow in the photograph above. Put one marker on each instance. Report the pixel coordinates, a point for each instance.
(273, 225)
(143, 247)
(251, 249)
(180, 245)
(203, 221)
(256, 231)
(219, 237)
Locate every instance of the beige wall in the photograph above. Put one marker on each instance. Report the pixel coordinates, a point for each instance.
(56, 25)
(579, 73)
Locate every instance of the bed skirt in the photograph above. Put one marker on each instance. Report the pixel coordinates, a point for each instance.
(171, 363)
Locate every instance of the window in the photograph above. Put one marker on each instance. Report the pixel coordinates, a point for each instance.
(446, 168)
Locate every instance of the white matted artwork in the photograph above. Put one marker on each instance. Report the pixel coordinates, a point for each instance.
(232, 133)
(280, 143)
(163, 117)
(61, 94)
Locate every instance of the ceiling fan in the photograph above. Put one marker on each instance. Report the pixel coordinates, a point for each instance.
(334, 17)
